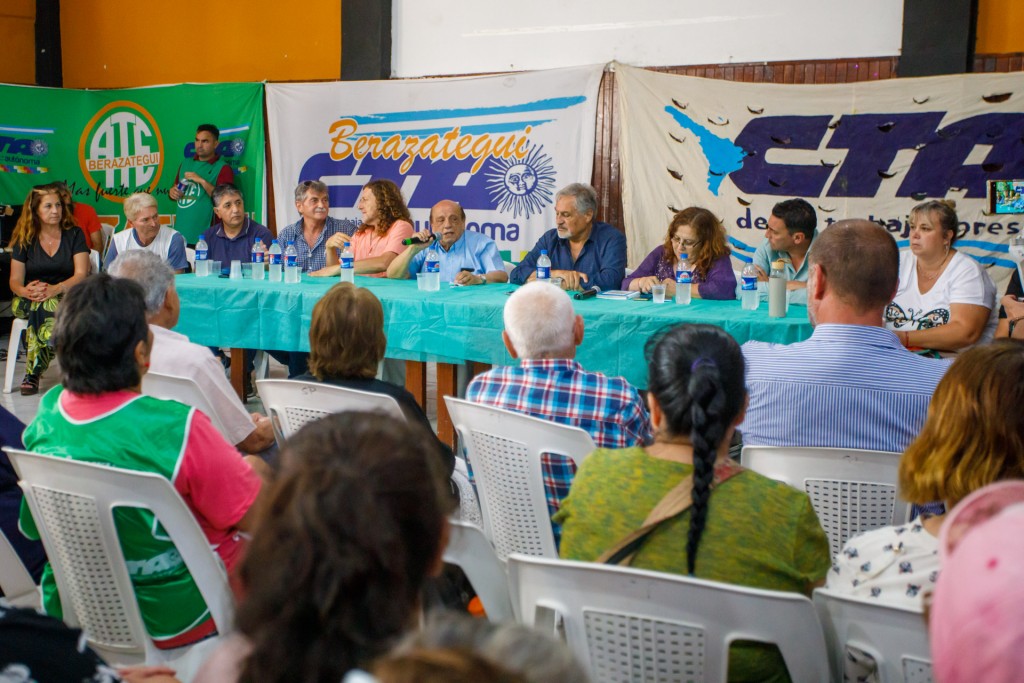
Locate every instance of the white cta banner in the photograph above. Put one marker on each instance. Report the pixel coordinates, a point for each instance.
(501, 146)
(863, 150)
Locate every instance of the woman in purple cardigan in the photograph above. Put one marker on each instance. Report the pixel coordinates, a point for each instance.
(698, 234)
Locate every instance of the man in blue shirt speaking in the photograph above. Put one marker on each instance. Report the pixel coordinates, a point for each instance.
(583, 252)
(466, 258)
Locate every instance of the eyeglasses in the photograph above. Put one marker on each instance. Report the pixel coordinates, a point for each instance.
(684, 243)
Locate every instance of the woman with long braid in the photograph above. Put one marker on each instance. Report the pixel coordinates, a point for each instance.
(740, 528)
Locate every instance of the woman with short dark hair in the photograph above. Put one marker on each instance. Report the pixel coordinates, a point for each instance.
(99, 415)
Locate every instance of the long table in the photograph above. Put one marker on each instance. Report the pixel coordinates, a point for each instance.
(453, 325)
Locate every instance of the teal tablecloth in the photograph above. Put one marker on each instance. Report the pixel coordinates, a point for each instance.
(454, 324)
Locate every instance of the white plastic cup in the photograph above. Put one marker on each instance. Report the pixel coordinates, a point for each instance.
(658, 294)
(236, 270)
(247, 271)
(423, 282)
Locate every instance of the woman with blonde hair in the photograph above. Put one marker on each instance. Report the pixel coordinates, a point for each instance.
(378, 241)
(697, 234)
(48, 257)
(946, 301)
(973, 436)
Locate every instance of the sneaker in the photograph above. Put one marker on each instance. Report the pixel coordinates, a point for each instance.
(30, 385)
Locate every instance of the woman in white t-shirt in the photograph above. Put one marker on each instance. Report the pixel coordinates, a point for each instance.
(946, 301)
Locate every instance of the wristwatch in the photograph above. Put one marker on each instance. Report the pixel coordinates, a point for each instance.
(1013, 324)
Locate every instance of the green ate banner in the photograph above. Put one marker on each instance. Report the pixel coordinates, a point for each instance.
(108, 144)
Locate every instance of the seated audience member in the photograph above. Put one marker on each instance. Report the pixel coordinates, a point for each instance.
(145, 232)
(30, 552)
(48, 257)
(1011, 310)
(354, 526)
(85, 217)
(969, 440)
(451, 645)
(583, 252)
(741, 527)
(99, 416)
(974, 622)
(35, 648)
(792, 228)
(378, 241)
(851, 385)
(946, 301)
(346, 344)
(173, 354)
(465, 258)
(542, 330)
(696, 233)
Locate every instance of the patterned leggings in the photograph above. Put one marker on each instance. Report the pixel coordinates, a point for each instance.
(39, 315)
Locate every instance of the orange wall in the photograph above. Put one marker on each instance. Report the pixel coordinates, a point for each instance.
(107, 45)
(18, 41)
(1000, 27)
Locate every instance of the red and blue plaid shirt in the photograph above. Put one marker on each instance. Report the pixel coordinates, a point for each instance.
(560, 390)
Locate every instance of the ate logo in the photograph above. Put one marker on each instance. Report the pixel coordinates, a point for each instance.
(121, 151)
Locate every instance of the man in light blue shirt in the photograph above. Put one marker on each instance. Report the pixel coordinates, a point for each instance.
(792, 228)
(466, 258)
(852, 384)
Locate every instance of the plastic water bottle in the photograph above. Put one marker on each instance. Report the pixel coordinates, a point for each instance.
(748, 288)
(684, 278)
(432, 267)
(543, 266)
(202, 258)
(274, 268)
(257, 259)
(347, 270)
(777, 286)
(291, 263)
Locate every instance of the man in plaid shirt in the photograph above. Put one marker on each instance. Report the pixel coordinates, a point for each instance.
(542, 330)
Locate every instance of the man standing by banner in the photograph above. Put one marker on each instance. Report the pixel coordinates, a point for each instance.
(202, 172)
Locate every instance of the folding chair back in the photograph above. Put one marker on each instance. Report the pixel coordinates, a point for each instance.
(505, 449)
(73, 506)
(291, 403)
(852, 490)
(629, 624)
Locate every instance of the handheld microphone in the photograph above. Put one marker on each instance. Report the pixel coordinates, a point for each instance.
(587, 293)
(415, 240)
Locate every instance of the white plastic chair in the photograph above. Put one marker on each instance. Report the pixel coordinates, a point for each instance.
(184, 390)
(897, 637)
(190, 256)
(15, 581)
(852, 490)
(291, 403)
(504, 449)
(18, 327)
(629, 624)
(469, 506)
(73, 506)
(470, 550)
(94, 261)
(107, 231)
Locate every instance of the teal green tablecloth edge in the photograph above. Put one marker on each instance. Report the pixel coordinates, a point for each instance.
(456, 323)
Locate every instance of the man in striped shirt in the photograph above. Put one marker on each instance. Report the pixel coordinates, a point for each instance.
(543, 331)
(852, 384)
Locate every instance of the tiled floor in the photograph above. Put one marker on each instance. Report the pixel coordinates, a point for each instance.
(25, 407)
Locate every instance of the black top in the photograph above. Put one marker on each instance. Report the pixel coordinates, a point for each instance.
(44, 650)
(1013, 288)
(408, 404)
(51, 269)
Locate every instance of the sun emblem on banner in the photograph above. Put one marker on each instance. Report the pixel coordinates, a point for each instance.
(522, 185)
